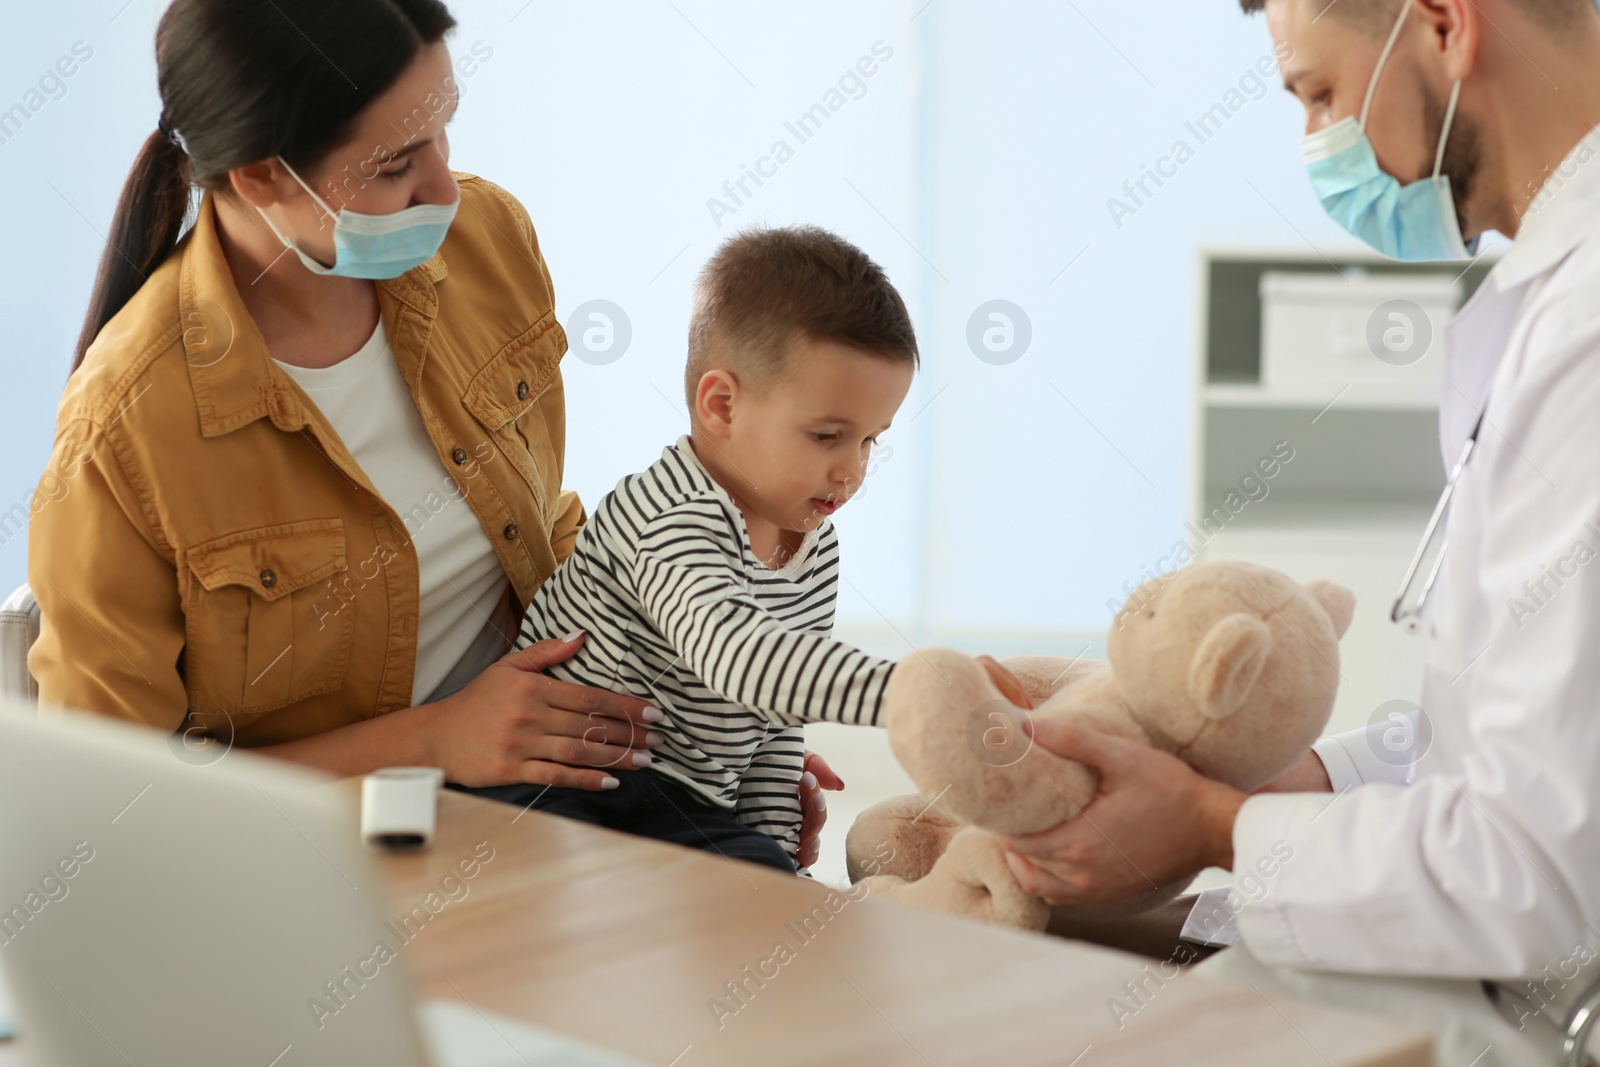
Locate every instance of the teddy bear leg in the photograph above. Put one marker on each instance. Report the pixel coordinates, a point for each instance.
(902, 836)
(1044, 676)
(972, 880)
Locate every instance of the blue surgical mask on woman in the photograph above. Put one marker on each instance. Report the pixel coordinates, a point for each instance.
(376, 246)
(1410, 222)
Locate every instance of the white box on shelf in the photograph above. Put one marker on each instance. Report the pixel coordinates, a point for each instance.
(1322, 332)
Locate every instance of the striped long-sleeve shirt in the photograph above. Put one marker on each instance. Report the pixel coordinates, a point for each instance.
(680, 613)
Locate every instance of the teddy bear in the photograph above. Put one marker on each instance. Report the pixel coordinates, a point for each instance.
(1231, 666)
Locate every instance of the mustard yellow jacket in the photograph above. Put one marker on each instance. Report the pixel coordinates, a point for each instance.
(204, 548)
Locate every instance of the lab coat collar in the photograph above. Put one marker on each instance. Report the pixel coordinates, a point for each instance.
(1564, 213)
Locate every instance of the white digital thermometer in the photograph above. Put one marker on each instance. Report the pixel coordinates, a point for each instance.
(399, 806)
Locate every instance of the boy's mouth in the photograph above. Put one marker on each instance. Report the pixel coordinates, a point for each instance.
(826, 507)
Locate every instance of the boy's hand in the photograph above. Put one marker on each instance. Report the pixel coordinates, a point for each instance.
(1008, 684)
(814, 806)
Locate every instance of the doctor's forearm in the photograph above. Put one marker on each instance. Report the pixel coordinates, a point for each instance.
(1216, 806)
(1309, 774)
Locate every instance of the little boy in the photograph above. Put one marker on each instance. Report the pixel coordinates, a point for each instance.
(706, 584)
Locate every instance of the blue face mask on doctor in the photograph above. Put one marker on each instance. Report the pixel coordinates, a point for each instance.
(376, 246)
(1408, 222)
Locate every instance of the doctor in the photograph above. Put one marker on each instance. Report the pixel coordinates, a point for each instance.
(1429, 122)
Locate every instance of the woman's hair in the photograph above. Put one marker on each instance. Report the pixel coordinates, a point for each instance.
(242, 82)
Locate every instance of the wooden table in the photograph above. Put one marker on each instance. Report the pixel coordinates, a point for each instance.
(631, 943)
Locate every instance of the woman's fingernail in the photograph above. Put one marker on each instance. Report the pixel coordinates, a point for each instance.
(653, 738)
(820, 802)
(652, 714)
(808, 781)
(643, 759)
(573, 636)
(609, 782)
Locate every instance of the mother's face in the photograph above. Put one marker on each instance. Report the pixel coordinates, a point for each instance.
(396, 157)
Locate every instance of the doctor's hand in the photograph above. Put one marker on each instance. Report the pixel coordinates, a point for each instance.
(1152, 821)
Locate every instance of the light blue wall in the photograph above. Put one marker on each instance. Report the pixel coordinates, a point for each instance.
(976, 164)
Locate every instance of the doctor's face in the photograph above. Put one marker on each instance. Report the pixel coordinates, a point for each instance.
(1329, 58)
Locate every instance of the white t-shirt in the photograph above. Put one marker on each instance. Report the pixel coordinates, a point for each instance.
(462, 582)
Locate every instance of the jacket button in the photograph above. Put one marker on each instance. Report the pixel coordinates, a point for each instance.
(522, 390)
(268, 579)
(511, 531)
(459, 455)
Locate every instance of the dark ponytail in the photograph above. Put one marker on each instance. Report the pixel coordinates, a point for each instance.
(240, 83)
(151, 213)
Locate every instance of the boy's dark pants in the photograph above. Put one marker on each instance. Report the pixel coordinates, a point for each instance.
(651, 806)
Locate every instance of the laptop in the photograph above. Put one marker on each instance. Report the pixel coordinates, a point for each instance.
(158, 911)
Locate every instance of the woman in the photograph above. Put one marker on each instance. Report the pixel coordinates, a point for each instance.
(307, 470)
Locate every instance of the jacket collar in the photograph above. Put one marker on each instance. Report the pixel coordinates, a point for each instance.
(231, 372)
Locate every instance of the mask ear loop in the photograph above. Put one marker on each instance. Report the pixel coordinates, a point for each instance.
(1449, 121)
(323, 204)
(1383, 58)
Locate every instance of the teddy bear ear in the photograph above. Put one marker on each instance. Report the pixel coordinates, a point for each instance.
(1336, 600)
(1227, 664)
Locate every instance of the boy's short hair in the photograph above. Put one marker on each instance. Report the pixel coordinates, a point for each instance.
(766, 288)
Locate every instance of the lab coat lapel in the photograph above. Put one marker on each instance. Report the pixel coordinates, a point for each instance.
(1562, 216)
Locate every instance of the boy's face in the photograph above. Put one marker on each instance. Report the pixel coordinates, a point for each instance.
(794, 450)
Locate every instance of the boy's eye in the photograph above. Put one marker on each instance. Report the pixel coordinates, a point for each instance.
(396, 175)
(825, 438)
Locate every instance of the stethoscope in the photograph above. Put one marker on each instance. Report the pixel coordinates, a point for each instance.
(1435, 542)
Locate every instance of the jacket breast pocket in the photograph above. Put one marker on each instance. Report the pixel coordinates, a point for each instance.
(512, 380)
(254, 639)
(504, 397)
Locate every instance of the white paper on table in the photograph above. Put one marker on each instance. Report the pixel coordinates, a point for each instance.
(1211, 921)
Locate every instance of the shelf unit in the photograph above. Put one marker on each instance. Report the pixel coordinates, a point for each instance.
(1366, 470)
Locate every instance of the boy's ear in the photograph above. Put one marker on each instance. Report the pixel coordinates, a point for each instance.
(714, 399)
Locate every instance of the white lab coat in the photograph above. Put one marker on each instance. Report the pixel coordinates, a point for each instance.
(1487, 865)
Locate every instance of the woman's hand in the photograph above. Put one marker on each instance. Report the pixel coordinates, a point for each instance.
(513, 724)
(817, 776)
(1152, 821)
